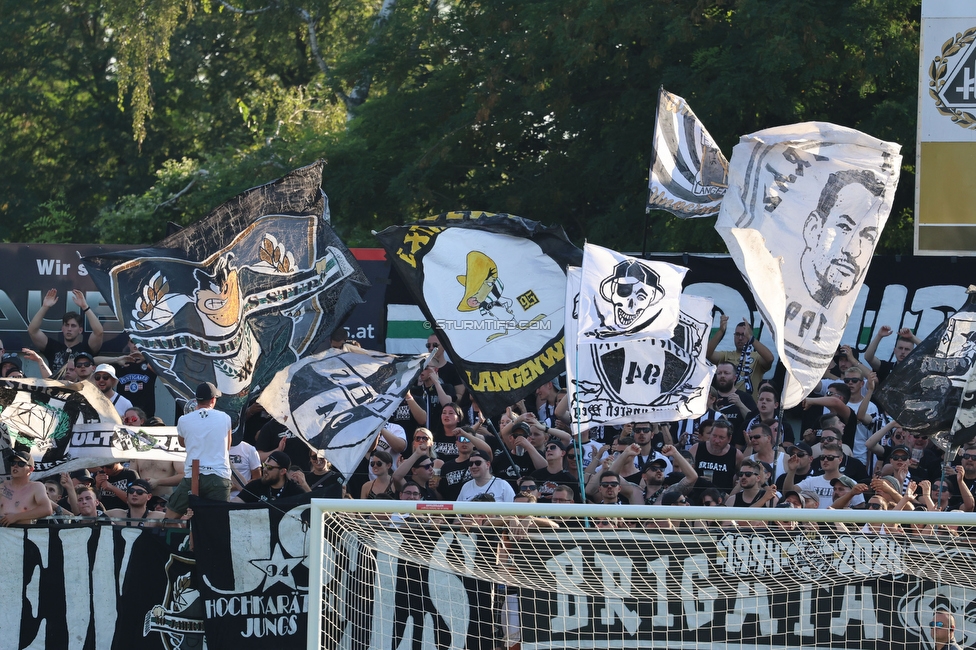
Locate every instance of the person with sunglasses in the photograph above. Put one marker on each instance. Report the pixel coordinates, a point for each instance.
(321, 479)
(554, 473)
(137, 507)
(274, 482)
(84, 366)
(830, 462)
(420, 465)
(482, 481)
(943, 631)
(105, 380)
(381, 487)
(848, 464)
(749, 490)
(22, 501)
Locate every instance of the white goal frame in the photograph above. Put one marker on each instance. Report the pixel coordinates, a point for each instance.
(323, 508)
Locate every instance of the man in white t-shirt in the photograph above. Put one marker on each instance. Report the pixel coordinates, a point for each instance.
(206, 435)
(482, 481)
(104, 378)
(246, 464)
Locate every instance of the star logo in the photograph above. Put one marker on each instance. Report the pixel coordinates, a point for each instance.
(278, 568)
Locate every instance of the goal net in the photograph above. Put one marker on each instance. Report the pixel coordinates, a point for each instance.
(483, 576)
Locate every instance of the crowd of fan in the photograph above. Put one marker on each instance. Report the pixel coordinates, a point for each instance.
(440, 446)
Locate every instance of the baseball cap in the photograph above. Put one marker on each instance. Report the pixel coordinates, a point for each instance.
(903, 448)
(13, 358)
(804, 447)
(108, 369)
(83, 476)
(797, 495)
(846, 481)
(477, 453)
(141, 482)
(655, 462)
(207, 391)
(810, 495)
(280, 458)
(83, 355)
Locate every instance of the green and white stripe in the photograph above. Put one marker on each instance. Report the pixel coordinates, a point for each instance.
(406, 330)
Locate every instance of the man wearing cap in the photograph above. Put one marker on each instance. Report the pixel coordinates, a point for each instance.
(273, 484)
(830, 462)
(206, 435)
(84, 366)
(137, 498)
(57, 353)
(104, 378)
(846, 490)
(22, 501)
(11, 364)
(479, 466)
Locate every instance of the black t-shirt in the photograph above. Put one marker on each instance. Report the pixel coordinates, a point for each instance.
(325, 486)
(732, 413)
(57, 353)
(547, 482)
(503, 468)
(430, 402)
(137, 383)
(454, 474)
(122, 480)
(269, 437)
(257, 490)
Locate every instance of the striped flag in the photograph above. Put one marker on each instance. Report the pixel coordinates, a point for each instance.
(689, 174)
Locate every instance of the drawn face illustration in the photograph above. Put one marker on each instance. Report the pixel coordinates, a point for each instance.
(219, 297)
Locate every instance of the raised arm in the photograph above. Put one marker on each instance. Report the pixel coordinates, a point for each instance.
(34, 328)
(870, 354)
(97, 331)
(716, 338)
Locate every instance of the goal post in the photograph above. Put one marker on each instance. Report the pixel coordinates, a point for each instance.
(416, 575)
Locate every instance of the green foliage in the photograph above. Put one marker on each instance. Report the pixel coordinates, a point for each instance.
(542, 109)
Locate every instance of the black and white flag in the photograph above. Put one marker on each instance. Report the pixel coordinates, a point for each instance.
(626, 299)
(805, 209)
(932, 391)
(689, 174)
(337, 401)
(654, 380)
(257, 284)
(494, 287)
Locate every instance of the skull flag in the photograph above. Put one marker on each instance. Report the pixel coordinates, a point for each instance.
(654, 380)
(931, 392)
(493, 286)
(625, 298)
(805, 207)
(256, 285)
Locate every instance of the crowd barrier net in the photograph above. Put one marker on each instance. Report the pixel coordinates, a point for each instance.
(484, 576)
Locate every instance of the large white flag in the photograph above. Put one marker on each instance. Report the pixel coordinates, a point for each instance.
(653, 380)
(689, 174)
(802, 217)
(337, 401)
(626, 299)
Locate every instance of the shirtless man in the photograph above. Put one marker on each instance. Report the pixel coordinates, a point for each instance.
(163, 475)
(23, 501)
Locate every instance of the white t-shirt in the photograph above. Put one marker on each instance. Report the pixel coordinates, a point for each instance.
(863, 432)
(244, 459)
(822, 486)
(122, 404)
(497, 487)
(205, 433)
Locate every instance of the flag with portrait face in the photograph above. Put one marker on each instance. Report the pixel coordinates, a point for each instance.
(689, 174)
(493, 286)
(259, 283)
(650, 380)
(623, 298)
(805, 209)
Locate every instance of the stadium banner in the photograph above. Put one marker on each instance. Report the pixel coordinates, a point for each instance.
(654, 380)
(98, 586)
(822, 191)
(493, 287)
(338, 401)
(252, 572)
(689, 173)
(90, 587)
(770, 589)
(944, 196)
(257, 284)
